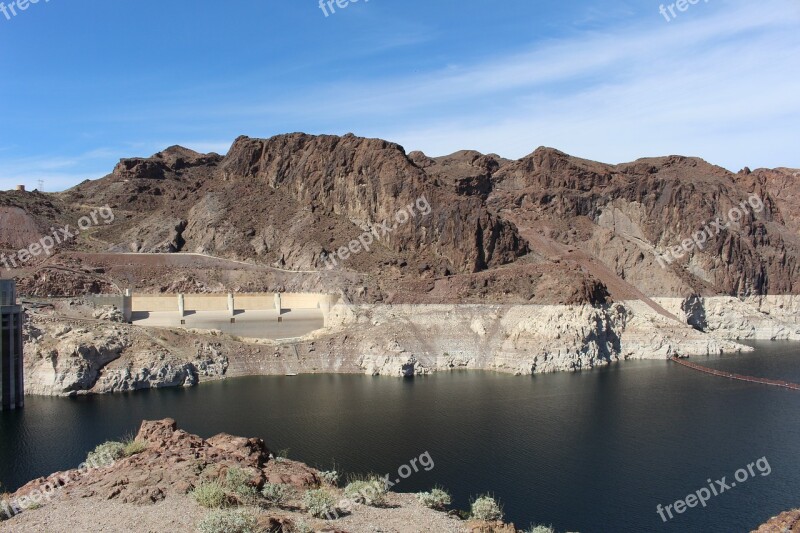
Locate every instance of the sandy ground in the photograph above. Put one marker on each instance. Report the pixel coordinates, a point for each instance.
(181, 514)
(79, 516)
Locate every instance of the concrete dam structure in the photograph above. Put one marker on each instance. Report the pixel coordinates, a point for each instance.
(255, 315)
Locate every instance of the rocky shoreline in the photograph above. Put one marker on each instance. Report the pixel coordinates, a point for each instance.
(71, 352)
(787, 522)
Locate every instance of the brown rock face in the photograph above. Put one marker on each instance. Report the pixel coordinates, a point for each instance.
(624, 213)
(169, 162)
(173, 463)
(290, 202)
(369, 181)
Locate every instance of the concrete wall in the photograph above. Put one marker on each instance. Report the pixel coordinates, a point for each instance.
(219, 302)
(206, 302)
(301, 300)
(154, 303)
(254, 301)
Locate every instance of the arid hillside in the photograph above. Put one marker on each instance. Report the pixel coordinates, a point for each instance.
(465, 228)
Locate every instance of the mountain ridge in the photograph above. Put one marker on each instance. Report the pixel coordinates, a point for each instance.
(293, 200)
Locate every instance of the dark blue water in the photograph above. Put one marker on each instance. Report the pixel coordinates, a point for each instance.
(588, 452)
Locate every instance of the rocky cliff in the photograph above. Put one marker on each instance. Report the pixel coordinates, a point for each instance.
(631, 214)
(67, 354)
(752, 318)
(292, 201)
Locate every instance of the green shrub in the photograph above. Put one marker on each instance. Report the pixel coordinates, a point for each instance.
(371, 491)
(277, 493)
(437, 499)
(239, 482)
(319, 503)
(236, 476)
(229, 521)
(133, 446)
(105, 454)
(541, 529)
(331, 477)
(486, 508)
(210, 494)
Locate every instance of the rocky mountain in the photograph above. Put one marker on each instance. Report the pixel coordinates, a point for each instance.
(542, 264)
(548, 228)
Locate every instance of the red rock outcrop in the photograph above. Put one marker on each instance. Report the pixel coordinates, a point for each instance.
(174, 462)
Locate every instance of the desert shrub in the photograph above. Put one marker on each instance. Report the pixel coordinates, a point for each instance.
(277, 493)
(133, 446)
(105, 454)
(319, 502)
(370, 491)
(437, 499)
(229, 521)
(239, 482)
(236, 477)
(210, 494)
(486, 508)
(331, 477)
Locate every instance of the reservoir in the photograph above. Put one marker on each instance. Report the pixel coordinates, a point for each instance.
(594, 451)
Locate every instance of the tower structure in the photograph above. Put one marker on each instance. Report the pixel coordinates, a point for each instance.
(12, 388)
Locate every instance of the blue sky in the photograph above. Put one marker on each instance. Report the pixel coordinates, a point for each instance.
(86, 82)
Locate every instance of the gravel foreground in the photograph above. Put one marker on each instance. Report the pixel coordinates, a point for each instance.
(181, 514)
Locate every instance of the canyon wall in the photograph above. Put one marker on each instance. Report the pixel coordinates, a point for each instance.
(66, 356)
(775, 317)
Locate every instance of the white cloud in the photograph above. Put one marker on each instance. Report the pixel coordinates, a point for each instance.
(720, 84)
(723, 88)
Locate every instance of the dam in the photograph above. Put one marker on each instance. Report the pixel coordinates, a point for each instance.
(250, 315)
